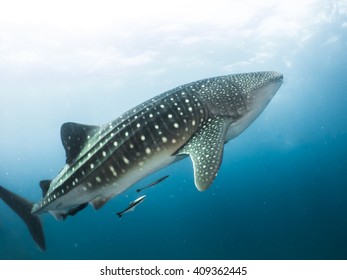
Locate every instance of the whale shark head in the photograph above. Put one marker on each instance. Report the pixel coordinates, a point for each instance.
(256, 89)
(241, 97)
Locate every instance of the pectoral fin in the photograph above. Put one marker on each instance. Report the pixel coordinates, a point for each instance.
(205, 149)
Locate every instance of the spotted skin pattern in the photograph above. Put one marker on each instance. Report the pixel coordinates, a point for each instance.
(195, 119)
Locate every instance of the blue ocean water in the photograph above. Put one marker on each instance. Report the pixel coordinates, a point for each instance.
(281, 191)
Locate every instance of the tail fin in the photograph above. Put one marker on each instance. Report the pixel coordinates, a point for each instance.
(120, 214)
(23, 209)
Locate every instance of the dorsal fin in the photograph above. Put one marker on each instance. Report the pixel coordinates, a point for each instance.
(44, 185)
(74, 137)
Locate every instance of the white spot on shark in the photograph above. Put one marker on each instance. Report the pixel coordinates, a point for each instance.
(126, 161)
(114, 173)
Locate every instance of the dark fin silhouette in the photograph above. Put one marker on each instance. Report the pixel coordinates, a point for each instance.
(74, 137)
(75, 210)
(61, 215)
(22, 208)
(120, 214)
(44, 185)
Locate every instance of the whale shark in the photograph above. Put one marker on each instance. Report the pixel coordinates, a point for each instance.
(194, 120)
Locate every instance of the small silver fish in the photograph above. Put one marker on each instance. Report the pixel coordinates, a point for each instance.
(131, 206)
(153, 183)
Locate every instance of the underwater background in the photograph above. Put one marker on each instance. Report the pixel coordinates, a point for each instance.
(281, 192)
